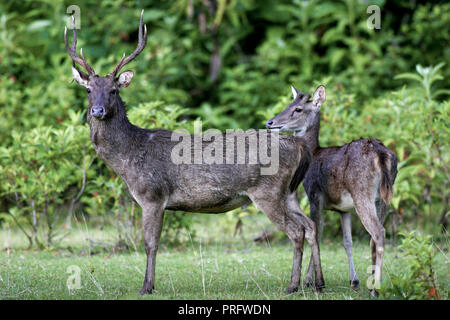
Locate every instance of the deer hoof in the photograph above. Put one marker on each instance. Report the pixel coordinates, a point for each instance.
(308, 283)
(146, 289)
(374, 293)
(320, 286)
(290, 289)
(354, 285)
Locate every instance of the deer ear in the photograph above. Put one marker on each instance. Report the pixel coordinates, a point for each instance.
(319, 97)
(80, 77)
(124, 78)
(294, 92)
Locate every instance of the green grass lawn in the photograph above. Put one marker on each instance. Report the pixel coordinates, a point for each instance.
(241, 270)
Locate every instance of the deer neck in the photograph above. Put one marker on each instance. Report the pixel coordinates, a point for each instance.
(311, 136)
(114, 138)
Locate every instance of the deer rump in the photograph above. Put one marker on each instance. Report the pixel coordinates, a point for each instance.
(210, 188)
(338, 178)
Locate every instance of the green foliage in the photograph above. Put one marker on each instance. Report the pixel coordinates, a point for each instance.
(178, 228)
(228, 63)
(42, 172)
(236, 57)
(157, 115)
(417, 279)
(426, 77)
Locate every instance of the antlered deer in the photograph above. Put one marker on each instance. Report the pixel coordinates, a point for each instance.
(142, 158)
(356, 176)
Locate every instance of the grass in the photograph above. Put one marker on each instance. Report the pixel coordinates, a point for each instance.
(201, 269)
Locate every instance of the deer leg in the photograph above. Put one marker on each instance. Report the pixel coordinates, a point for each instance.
(366, 211)
(278, 214)
(312, 238)
(373, 253)
(298, 243)
(152, 217)
(346, 224)
(381, 210)
(381, 214)
(316, 214)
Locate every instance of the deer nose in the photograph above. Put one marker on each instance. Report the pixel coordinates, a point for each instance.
(269, 123)
(97, 112)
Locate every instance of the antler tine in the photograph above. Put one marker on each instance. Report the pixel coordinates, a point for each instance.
(119, 65)
(86, 65)
(142, 41)
(72, 50)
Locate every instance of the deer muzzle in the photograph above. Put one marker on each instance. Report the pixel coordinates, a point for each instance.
(270, 125)
(98, 112)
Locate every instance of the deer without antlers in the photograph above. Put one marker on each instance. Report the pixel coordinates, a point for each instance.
(143, 159)
(356, 176)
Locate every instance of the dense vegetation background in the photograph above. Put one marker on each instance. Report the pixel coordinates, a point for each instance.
(228, 63)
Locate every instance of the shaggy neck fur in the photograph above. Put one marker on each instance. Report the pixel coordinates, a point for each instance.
(114, 136)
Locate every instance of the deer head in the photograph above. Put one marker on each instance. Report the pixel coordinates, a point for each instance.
(103, 92)
(301, 114)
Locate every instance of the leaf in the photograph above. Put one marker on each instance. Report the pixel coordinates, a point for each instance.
(439, 92)
(39, 24)
(409, 76)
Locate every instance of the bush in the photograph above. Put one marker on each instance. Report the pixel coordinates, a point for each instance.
(417, 280)
(44, 174)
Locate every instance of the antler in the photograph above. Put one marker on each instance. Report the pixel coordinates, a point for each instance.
(72, 51)
(141, 45)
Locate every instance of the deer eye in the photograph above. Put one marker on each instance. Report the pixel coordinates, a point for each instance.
(88, 90)
(298, 110)
(113, 91)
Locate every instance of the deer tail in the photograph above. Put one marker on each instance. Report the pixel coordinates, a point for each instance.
(388, 163)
